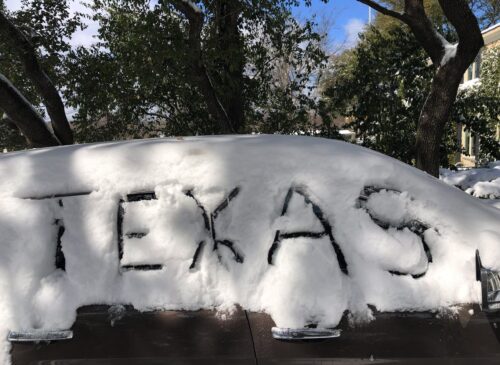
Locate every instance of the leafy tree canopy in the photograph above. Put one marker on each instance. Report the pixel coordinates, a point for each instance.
(381, 86)
(136, 81)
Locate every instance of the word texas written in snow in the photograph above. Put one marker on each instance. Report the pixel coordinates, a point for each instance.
(129, 230)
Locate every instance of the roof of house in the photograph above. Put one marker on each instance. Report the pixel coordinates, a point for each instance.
(491, 34)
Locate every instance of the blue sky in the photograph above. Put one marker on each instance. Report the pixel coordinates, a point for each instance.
(348, 18)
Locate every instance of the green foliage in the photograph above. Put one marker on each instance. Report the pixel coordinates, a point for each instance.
(490, 72)
(134, 80)
(478, 105)
(137, 80)
(10, 138)
(381, 86)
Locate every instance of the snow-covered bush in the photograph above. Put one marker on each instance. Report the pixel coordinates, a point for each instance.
(482, 183)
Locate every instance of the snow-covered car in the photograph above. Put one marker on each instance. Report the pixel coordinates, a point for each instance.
(483, 182)
(239, 250)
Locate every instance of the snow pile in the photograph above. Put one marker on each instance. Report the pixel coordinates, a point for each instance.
(470, 85)
(482, 183)
(302, 228)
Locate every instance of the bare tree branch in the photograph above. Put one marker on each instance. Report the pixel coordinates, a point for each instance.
(45, 87)
(20, 111)
(383, 10)
(421, 26)
(414, 16)
(215, 107)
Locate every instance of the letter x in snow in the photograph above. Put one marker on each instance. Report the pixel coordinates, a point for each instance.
(209, 220)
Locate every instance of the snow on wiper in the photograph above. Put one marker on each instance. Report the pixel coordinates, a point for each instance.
(39, 335)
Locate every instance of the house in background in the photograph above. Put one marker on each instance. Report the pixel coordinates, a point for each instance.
(470, 144)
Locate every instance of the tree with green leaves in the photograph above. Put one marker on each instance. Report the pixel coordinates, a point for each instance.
(198, 67)
(381, 86)
(450, 62)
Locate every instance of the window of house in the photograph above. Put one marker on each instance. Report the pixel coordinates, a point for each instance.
(477, 66)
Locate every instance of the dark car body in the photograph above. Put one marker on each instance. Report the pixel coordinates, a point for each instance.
(122, 335)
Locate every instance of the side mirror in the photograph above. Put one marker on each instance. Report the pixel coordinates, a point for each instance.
(490, 286)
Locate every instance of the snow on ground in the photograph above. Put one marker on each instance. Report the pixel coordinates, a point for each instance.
(483, 183)
(301, 228)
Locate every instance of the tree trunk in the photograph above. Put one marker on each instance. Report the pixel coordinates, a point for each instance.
(20, 111)
(434, 115)
(232, 60)
(42, 83)
(215, 107)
